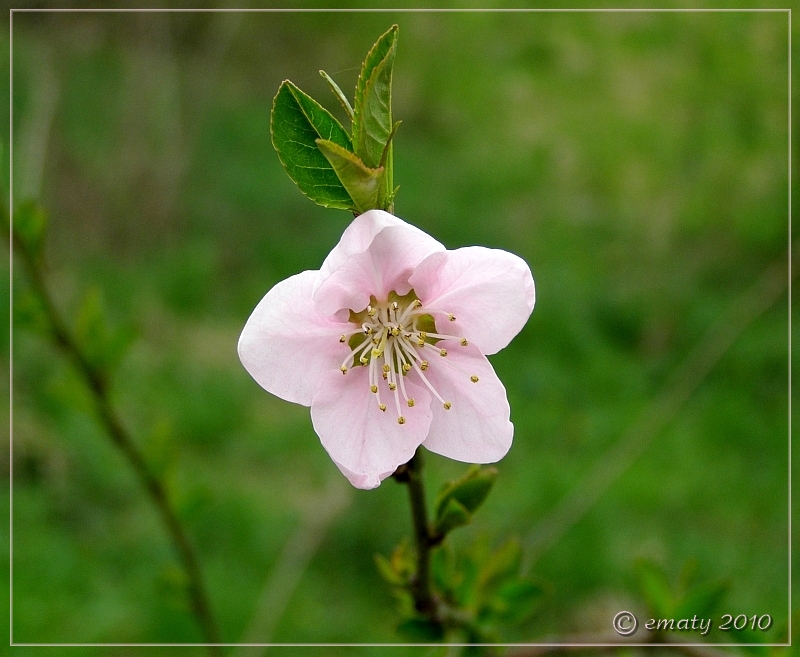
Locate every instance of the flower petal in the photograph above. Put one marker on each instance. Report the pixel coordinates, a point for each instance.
(490, 292)
(476, 429)
(365, 443)
(384, 267)
(359, 235)
(286, 343)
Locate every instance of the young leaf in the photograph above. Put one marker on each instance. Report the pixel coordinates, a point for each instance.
(30, 227)
(655, 588)
(471, 490)
(91, 331)
(339, 94)
(517, 600)
(453, 515)
(503, 564)
(372, 117)
(297, 122)
(361, 183)
(388, 572)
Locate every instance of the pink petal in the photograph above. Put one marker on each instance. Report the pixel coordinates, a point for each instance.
(384, 267)
(365, 443)
(476, 429)
(359, 235)
(490, 292)
(286, 343)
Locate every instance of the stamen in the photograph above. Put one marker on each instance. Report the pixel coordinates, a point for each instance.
(392, 386)
(451, 317)
(424, 365)
(443, 352)
(343, 339)
(464, 342)
(382, 407)
(474, 379)
(401, 420)
(373, 388)
(343, 369)
(447, 406)
(410, 402)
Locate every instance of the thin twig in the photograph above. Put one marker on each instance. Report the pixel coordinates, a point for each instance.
(97, 382)
(421, 585)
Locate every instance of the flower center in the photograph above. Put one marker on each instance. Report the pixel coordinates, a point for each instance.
(392, 339)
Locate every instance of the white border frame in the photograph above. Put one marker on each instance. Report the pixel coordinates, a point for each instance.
(620, 644)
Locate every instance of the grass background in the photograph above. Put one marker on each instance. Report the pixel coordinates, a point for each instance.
(637, 162)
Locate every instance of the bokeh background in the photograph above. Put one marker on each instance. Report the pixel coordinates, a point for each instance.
(636, 161)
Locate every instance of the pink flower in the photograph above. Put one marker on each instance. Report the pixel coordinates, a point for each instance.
(387, 344)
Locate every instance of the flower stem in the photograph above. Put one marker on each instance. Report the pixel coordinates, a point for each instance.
(424, 601)
(97, 382)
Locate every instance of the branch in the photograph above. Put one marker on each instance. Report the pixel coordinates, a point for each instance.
(97, 382)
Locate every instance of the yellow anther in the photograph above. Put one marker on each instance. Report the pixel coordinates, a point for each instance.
(423, 335)
(464, 342)
(395, 331)
(370, 311)
(373, 388)
(375, 353)
(363, 360)
(368, 330)
(443, 352)
(344, 369)
(401, 420)
(447, 406)
(406, 367)
(416, 304)
(394, 305)
(410, 402)
(421, 343)
(382, 407)
(423, 365)
(343, 339)
(385, 376)
(392, 386)
(386, 367)
(451, 317)
(474, 378)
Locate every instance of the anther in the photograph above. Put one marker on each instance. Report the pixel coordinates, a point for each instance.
(392, 386)
(410, 402)
(423, 335)
(451, 317)
(375, 353)
(373, 388)
(382, 407)
(385, 367)
(401, 420)
(363, 360)
(423, 365)
(394, 305)
(443, 352)
(447, 406)
(342, 339)
(344, 369)
(464, 342)
(370, 311)
(416, 303)
(406, 367)
(395, 331)
(474, 378)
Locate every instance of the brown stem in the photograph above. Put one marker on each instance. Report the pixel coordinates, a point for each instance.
(97, 382)
(421, 585)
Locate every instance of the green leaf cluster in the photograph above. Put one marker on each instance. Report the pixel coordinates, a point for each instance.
(331, 167)
(102, 346)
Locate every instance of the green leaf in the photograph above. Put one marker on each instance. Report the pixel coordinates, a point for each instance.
(339, 94)
(421, 630)
(504, 563)
(471, 490)
(30, 227)
(387, 571)
(297, 122)
(517, 600)
(361, 182)
(453, 515)
(90, 329)
(372, 118)
(655, 588)
(702, 600)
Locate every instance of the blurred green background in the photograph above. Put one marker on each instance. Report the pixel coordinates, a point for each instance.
(637, 162)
